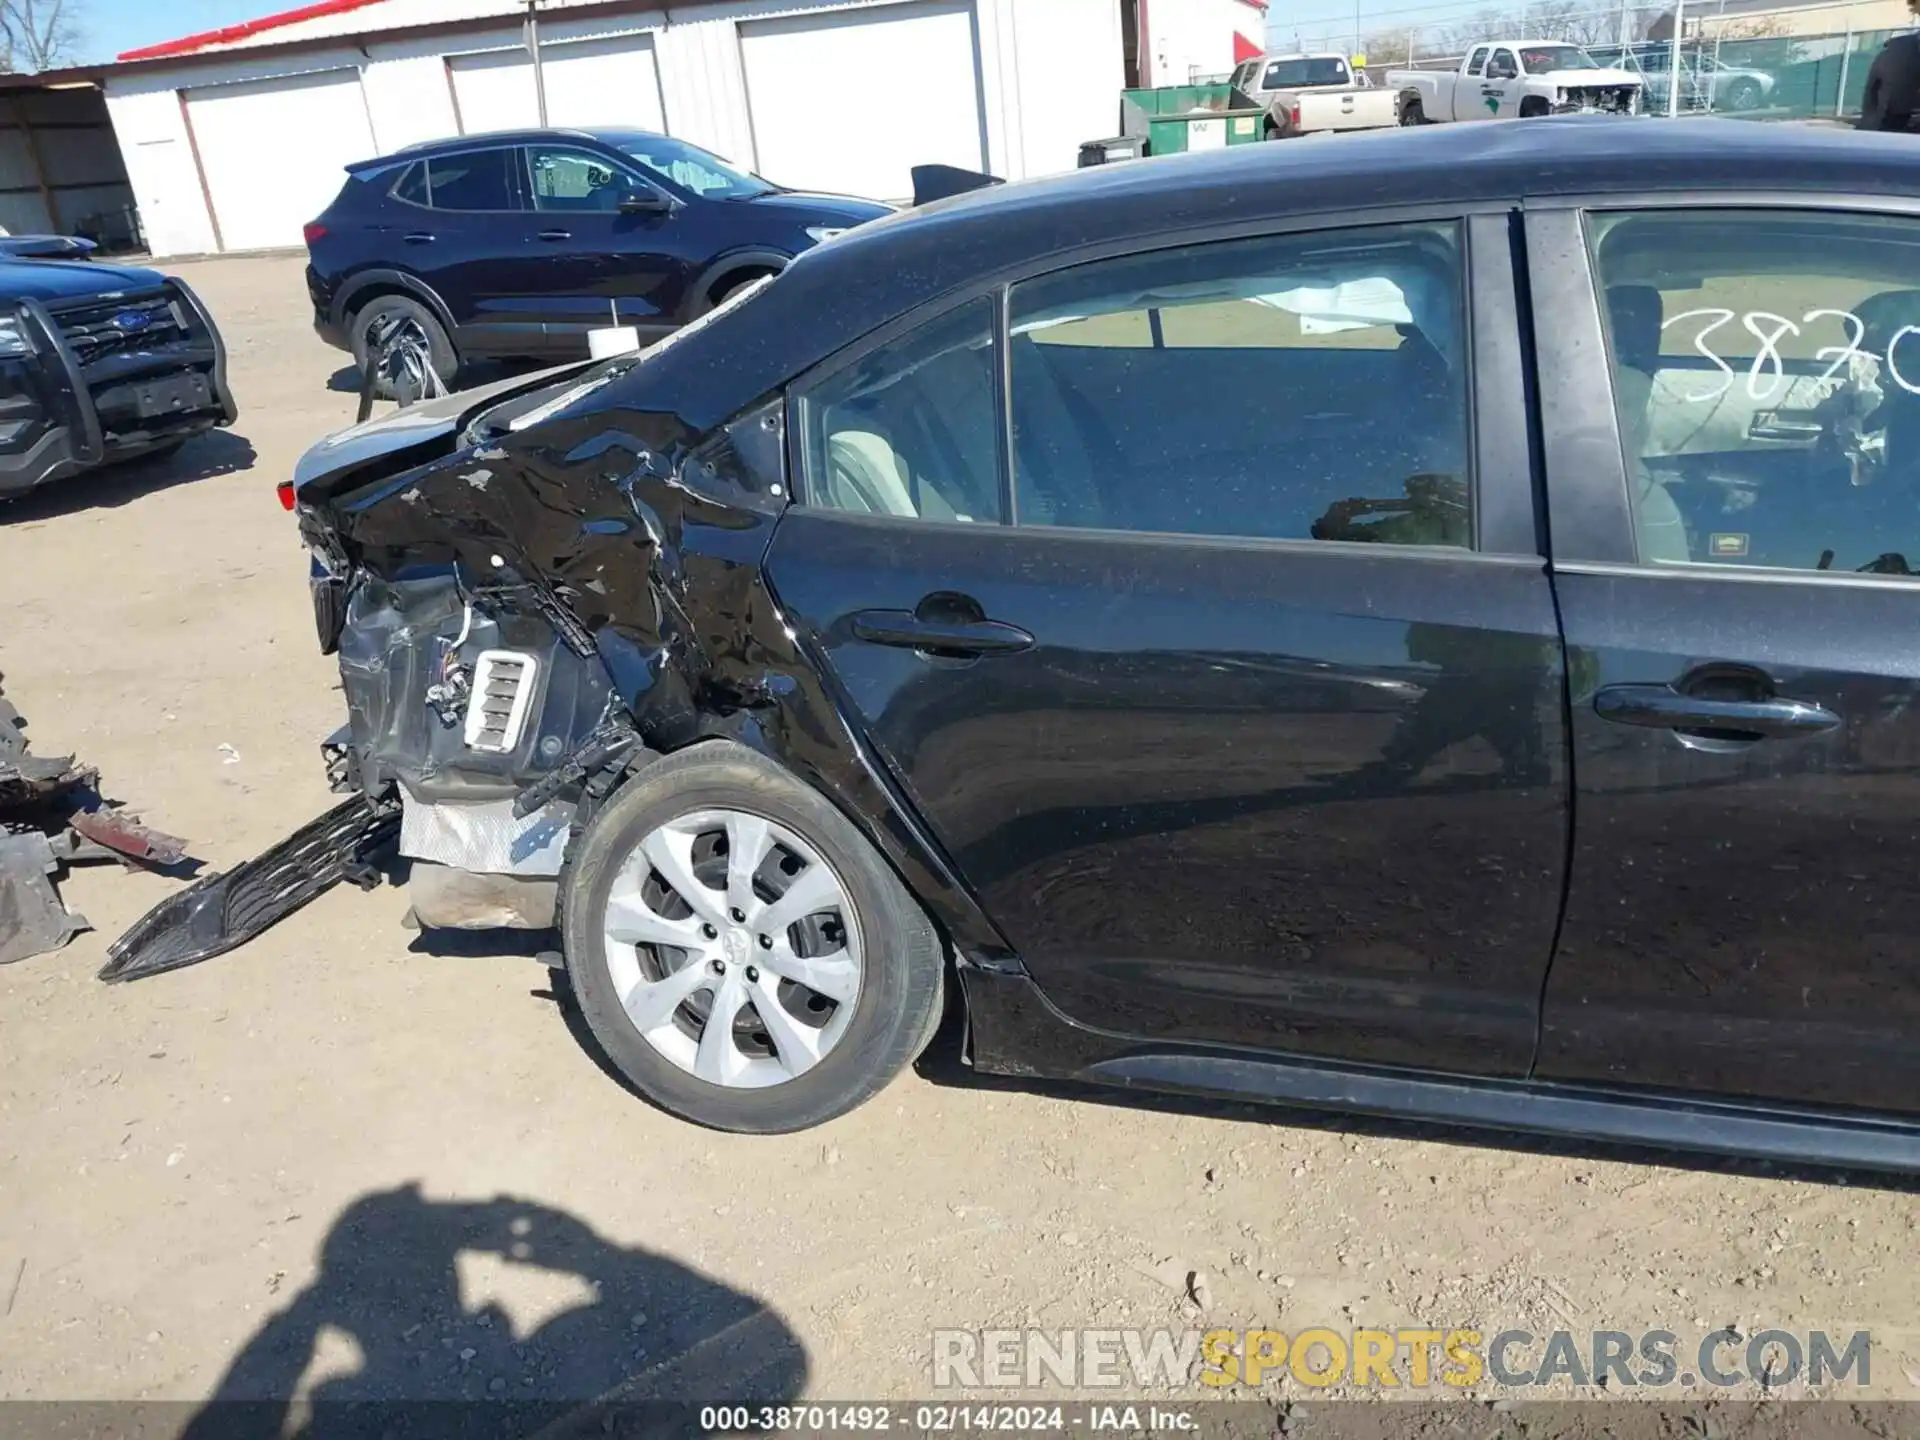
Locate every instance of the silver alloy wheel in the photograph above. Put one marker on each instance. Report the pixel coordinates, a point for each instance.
(734, 948)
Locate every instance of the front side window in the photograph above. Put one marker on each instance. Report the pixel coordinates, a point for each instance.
(574, 180)
(690, 167)
(471, 180)
(1501, 66)
(1766, 373)
(912, 429)
(1294, 387)
(1545, 59)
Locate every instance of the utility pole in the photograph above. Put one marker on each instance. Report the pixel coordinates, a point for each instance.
(1673, 64)
(539, 76)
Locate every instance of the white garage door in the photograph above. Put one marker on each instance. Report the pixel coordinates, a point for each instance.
(851, 102)
(611, 81)
(264, 187)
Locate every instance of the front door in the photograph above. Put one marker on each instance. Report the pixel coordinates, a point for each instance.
(590, 261)
(457, 224)
(1238, 702)
(1746, 680)
(1503, 86)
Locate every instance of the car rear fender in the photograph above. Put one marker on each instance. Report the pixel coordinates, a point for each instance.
(357, 289)
(620, 557)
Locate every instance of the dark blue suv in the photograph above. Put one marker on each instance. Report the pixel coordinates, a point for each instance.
(515, 245)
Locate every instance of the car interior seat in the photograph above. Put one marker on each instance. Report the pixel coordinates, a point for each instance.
(1634, 313)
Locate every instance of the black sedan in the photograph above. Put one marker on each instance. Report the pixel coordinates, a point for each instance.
(1420, 625)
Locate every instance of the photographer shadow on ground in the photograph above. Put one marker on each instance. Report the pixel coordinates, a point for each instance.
(389, 1341)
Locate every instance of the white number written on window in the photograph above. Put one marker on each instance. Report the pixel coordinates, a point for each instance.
(1767, 372)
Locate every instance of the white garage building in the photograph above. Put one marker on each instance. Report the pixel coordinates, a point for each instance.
(234, 139)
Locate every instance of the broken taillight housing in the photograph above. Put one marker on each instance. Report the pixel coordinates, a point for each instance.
(285, 491)
(1294, 116)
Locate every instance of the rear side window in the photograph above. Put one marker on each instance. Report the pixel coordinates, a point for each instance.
(911, 430)
(1478, 62)
(412, 185)
(471, 180)
(1766, 374)
(1294, 387)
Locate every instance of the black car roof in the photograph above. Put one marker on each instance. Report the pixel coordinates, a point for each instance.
(839, 292)
(480, 139)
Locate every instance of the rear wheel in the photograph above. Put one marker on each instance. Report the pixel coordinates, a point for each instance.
(1413, 111)
(1744, 95)
(740, 952)
(404, 318)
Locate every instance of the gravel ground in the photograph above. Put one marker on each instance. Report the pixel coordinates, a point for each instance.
(358, 1163)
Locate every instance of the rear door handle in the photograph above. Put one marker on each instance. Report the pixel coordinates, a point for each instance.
(940, 636)
(418, 237)
(556, 234)
(1661, 707)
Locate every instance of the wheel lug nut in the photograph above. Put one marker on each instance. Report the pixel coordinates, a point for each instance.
(753, 975)
(709, 932)
(738, 915)
(719, 967)
(766, 942)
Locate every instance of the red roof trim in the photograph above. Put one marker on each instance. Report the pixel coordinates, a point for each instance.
(1260, 5)
(188, 44)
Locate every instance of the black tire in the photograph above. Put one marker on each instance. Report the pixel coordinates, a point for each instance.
(733, 283)
(1532, 108)
(1893, 86)
(1413, 111)
(896, 1012)
(1744, 95)
(446, 360)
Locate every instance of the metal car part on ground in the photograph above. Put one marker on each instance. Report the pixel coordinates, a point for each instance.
(52, 816)
(1527, 750)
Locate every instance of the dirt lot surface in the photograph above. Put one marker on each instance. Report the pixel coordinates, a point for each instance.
(368, 1164)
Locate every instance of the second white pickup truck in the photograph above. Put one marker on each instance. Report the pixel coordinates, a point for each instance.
(1514, 79)
(1313, 95)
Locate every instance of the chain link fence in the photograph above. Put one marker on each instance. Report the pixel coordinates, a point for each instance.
(1755, 59)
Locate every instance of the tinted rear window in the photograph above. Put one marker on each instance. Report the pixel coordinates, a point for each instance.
(1320, 70)
(412, 185)
(475, 180)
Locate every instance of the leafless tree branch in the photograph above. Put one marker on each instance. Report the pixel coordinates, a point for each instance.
(37, 34)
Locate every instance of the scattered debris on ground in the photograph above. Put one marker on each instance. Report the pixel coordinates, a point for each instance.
(51, 816)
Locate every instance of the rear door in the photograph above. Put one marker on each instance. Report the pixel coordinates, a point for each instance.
(1214, 644)
(1734, 471)
(460, 220)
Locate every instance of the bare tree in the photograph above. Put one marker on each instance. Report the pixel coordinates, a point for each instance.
(37, 34)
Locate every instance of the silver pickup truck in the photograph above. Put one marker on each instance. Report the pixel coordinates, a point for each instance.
(1313, 94)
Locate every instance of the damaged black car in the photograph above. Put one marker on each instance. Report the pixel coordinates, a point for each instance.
(99, 364)
(1133, 593)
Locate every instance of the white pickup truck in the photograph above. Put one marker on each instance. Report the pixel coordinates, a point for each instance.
(1313, 95)
(1514, 79)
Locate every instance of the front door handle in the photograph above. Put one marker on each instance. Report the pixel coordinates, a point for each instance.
(940, 635)
(418, 237)
(556, 234)
(1661, 707)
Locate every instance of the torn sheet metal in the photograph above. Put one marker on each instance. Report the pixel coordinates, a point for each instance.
(52, 816)
(225, 910)
(485, 836)
(32, 919)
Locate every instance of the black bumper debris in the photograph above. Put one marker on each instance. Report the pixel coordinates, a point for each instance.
(51, 815)
(226, 910)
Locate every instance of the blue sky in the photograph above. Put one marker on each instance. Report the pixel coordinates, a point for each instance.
(116, 25)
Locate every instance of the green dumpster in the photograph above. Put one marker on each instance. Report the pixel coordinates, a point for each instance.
(1174, 118)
